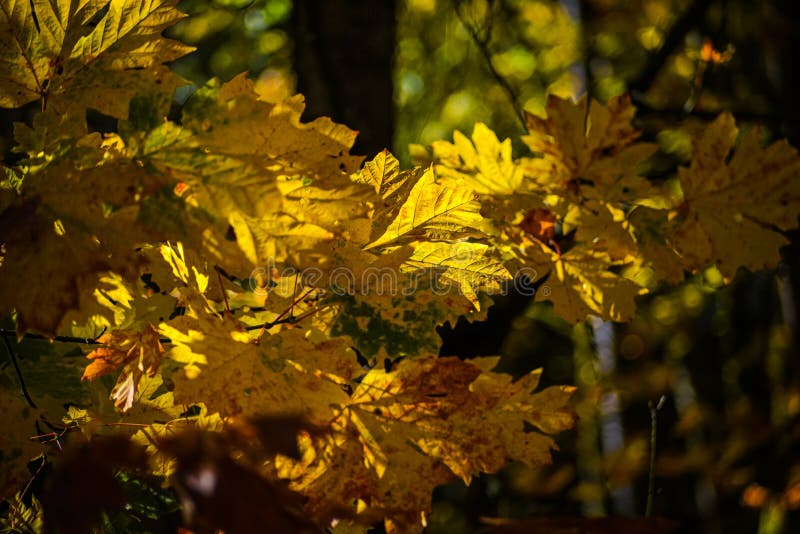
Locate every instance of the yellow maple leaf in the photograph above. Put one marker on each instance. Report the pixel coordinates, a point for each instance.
(74, 55)
(228, 126)
(280, 238)
(427, 421)
(483, 164)
(283, 186)
(391, 186)
(576, 194)
(63, 247)
(233, 375)
(435, 210)
(587, 151)
(588, 159)
(472, 267)
(383, 174)
(580, 282)
(733, 205)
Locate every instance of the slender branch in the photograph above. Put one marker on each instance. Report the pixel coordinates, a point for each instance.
(62, 339)
(586, 42)
(165, 340)
(279, 319)
(19, 373)
(482, 44)
(672, 41)
(651, 482)
(27, 487)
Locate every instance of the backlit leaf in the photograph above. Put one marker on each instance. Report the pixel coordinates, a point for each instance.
(136, 352)
(400, 427)
(733, 211)
(77, 54)
(434, 210)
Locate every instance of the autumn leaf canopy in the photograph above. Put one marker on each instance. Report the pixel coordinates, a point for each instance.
(236, 262)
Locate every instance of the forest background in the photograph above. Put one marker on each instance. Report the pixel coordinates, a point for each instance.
(724, 357)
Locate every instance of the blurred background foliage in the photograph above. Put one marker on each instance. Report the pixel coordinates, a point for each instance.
(724, 357)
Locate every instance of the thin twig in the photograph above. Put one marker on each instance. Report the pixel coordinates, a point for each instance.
(294, 292)
(278, 320)
(482, 44)
(19, 374)
(63, 339)
(672, 41)
(66, 339)
(588, 77)
(305, 314)
(27, 487)
(651, 483)
(222, 289)
(270, 324)
(52, 436)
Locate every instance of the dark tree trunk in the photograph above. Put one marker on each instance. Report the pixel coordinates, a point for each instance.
(343, 60)
(788, 108)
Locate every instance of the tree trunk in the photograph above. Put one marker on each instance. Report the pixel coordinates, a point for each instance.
(343, 60)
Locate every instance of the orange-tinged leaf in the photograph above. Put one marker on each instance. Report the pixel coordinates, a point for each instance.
(137, 352)
(540, 223)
